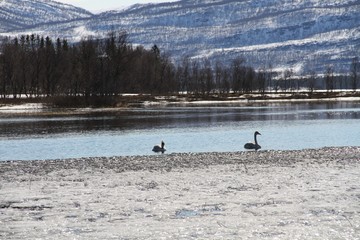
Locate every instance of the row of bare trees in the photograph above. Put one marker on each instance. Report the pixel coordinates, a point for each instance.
(36, 66)
(201, 77)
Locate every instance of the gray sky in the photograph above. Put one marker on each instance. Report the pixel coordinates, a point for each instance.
(96, 6)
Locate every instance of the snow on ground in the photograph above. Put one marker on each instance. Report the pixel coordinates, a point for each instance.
(19, 108)
(308, 194)
(181, 99)
(269, 98)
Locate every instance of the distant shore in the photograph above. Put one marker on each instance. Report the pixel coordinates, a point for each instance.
(307, 194)
(68, 105)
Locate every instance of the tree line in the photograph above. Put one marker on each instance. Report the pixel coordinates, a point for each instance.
(34, 66)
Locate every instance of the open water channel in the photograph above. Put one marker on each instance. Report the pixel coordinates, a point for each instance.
(205, 128)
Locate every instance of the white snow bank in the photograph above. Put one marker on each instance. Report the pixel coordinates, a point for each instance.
(241, 100)
(27, 107)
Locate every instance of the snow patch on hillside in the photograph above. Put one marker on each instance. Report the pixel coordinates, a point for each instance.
(82, 32)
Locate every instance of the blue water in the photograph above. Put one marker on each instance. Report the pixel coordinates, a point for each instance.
(183, 129)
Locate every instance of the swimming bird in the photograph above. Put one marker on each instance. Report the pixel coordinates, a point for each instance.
(159, 148)
(255, 145)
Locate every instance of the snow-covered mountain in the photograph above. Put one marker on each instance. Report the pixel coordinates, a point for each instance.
(23, 14)
(302, 35)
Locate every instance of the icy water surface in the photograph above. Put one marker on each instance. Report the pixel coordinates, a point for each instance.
(183, 129)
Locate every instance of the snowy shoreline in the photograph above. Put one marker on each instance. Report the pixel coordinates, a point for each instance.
(183, 160)
(23, 105)
(307, 194)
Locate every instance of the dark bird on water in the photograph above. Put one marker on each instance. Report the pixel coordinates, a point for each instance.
(159, 148)
(255, 145)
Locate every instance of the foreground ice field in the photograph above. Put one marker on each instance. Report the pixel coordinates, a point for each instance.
(308, 194)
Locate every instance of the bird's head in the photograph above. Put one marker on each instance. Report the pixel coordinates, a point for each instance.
(257, 133)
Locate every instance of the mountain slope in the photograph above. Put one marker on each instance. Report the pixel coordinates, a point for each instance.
(302, 35)
(23, 14)
(284, 33)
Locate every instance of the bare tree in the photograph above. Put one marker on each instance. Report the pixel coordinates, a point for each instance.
(261, 79)
(209, 78)
(238, 74)
(329, 78)
(311, 81)
(354, 72)
(288, 80)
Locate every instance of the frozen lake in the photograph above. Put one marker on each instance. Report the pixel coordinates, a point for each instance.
(222, 128)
